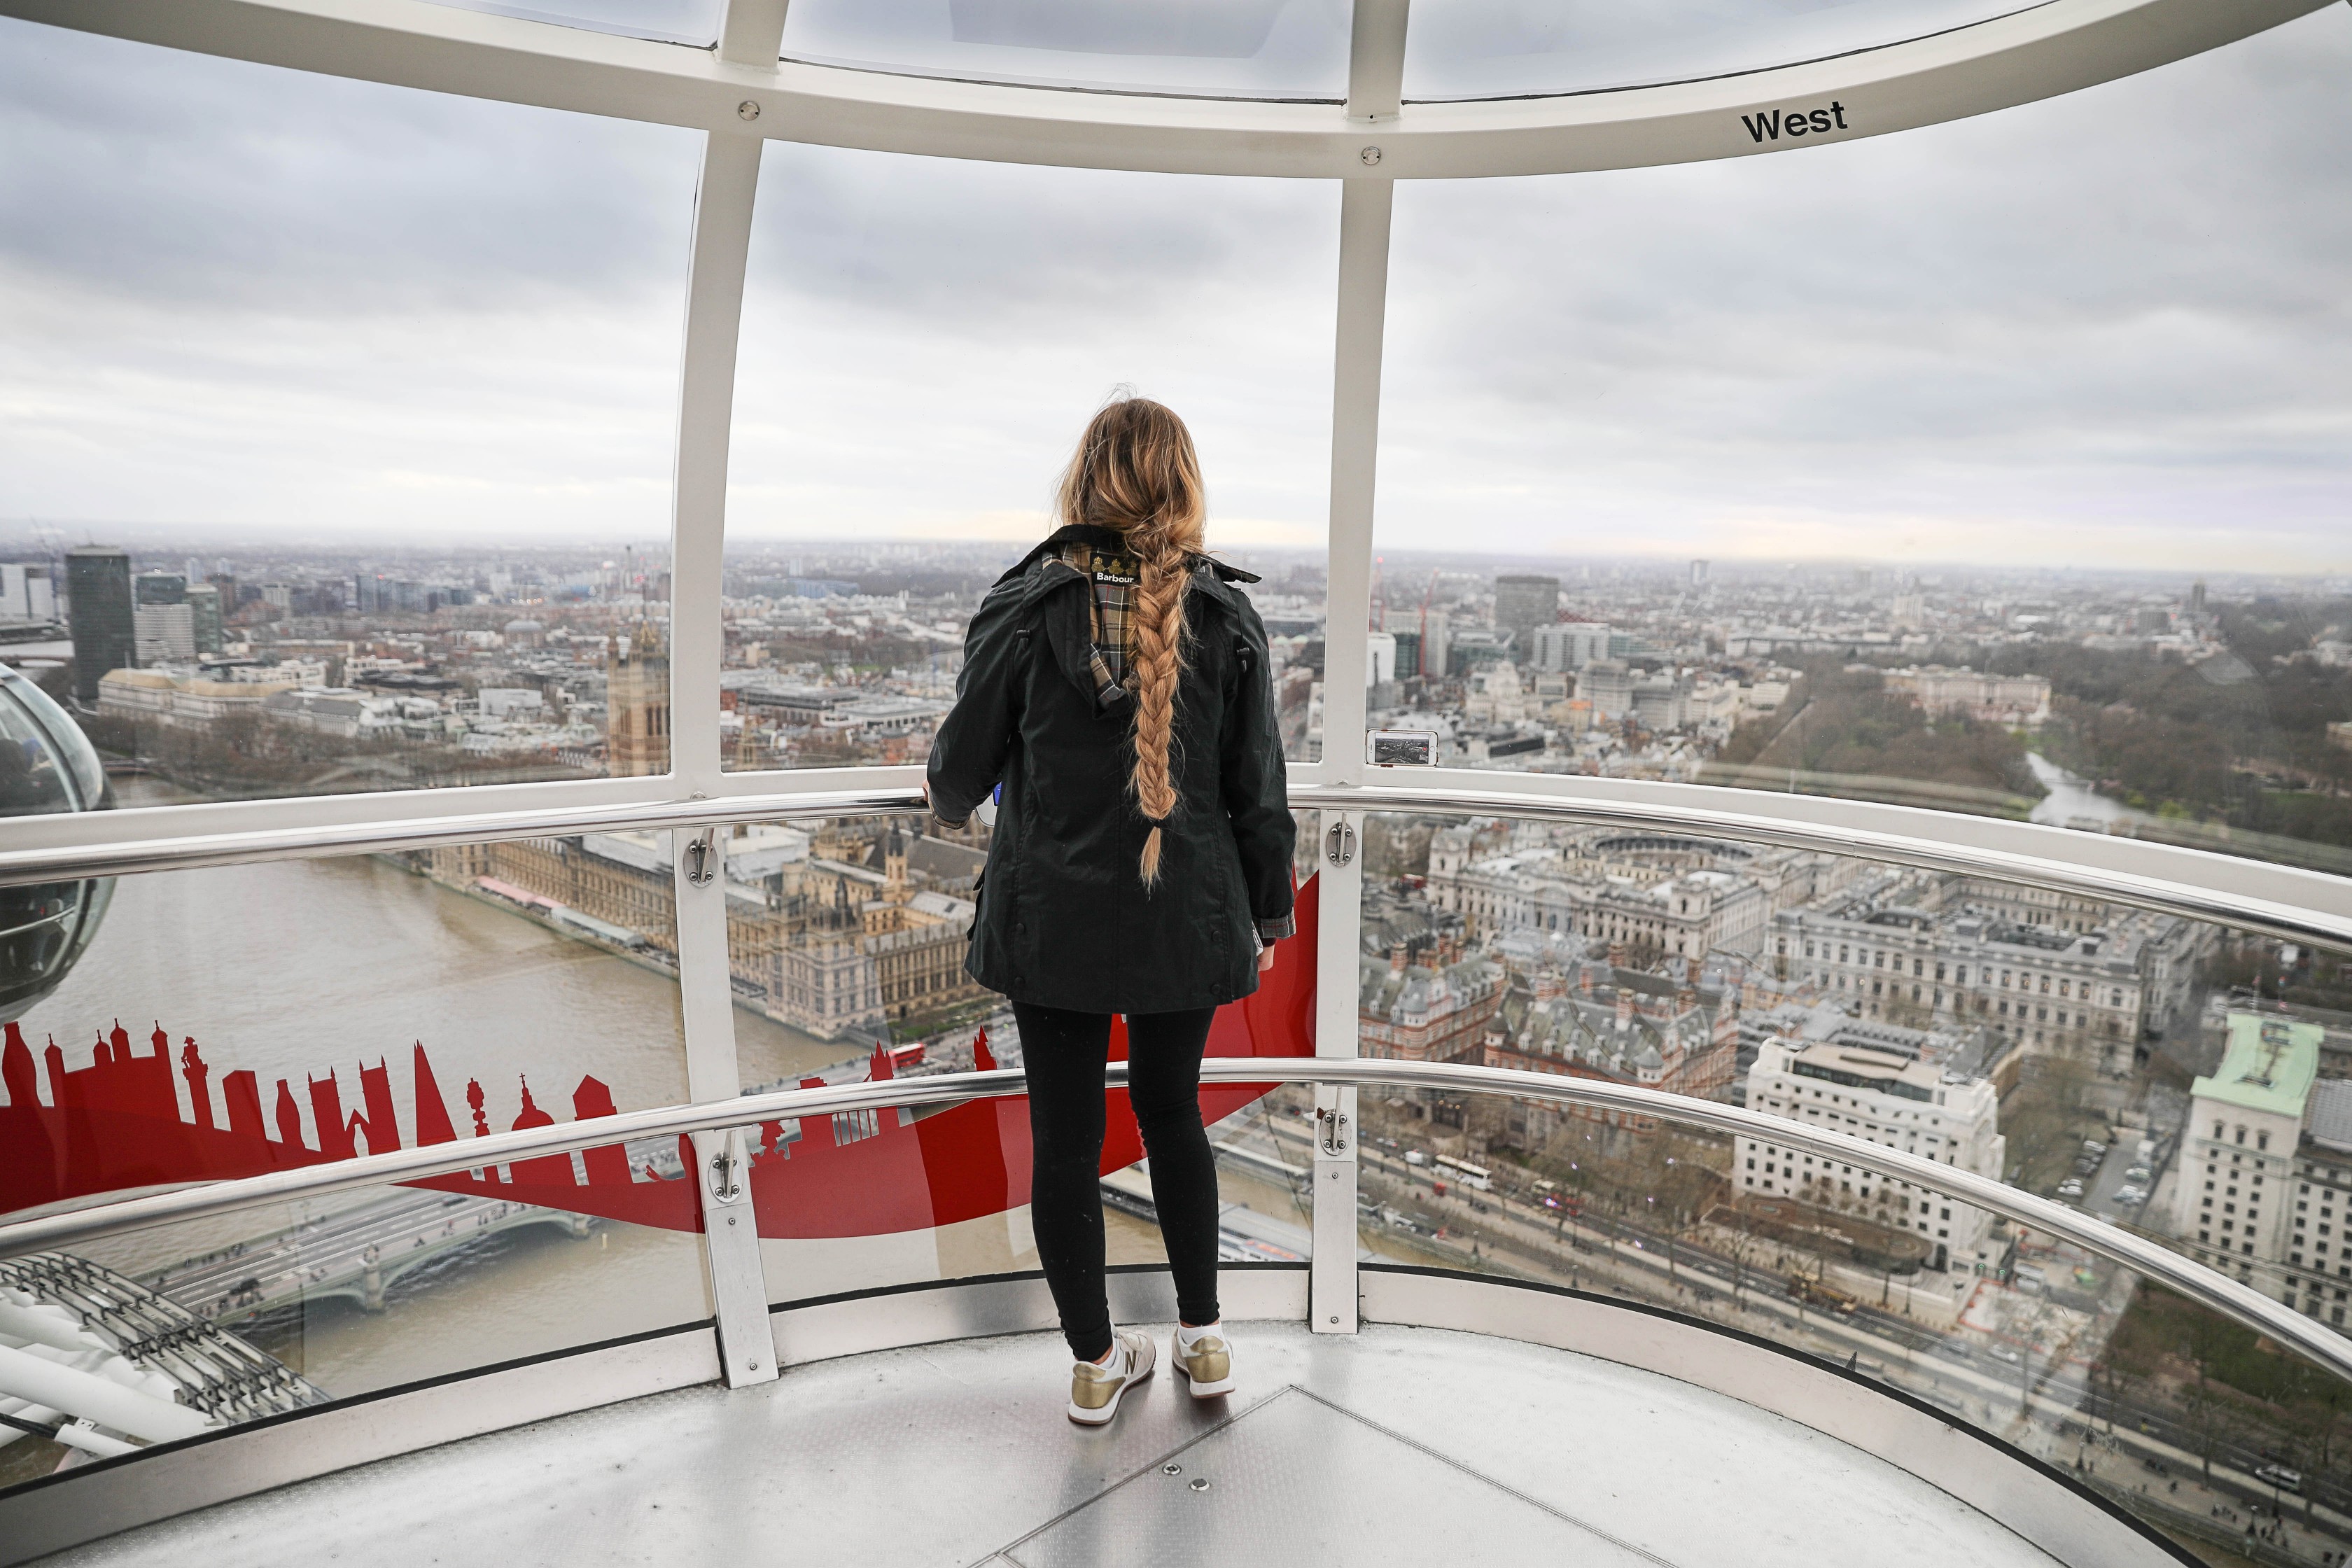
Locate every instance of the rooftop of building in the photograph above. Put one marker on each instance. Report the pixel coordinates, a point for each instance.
(2269, 1065)
(1869, 1068)
(187, 678)
(1391, 993)
(2327, 1119)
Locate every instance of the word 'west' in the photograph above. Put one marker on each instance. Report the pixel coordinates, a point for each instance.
(1774, 123)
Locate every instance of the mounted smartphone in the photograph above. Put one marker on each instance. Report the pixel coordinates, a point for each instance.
(1400, 748)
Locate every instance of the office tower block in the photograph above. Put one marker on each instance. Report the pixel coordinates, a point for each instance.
(207, 620)
(98, 608)
(1523, 603)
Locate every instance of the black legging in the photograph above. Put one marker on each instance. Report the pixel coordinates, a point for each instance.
(1064, 1053)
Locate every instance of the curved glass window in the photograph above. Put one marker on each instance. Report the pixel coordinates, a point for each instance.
(924, 341)
(1537, 48)
(2112, 1059)
(845, 947)
(348, 411)
(694, 22)
(1199, 49)
(1881, 473)
(425, 998)
(2157, 1074)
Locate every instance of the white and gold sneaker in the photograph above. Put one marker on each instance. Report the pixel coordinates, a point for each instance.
(1204, 1358)
(1095, 1389)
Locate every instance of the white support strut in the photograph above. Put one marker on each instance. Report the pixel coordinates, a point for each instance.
(722, 237)
(1364, 211)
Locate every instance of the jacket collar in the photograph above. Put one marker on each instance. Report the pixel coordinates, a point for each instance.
(1112, 539)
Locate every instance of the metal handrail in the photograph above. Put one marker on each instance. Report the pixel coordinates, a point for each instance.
(2268, 916)
(63, 863)
(2195, 1280)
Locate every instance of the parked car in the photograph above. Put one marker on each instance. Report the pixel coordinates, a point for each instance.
(2070, 1188)
(2093, 1147)
(2137, 1173)
(2130, 1197)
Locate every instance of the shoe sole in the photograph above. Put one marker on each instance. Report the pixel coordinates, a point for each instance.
(1103, 1417)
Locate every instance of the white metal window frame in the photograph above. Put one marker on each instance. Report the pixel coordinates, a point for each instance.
(740, 96)
(2037, 53)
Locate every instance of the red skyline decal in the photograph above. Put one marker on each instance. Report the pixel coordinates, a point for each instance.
(118, 1125)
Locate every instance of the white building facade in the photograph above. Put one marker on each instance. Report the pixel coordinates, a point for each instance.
(1885, 1099)
(2232, 1194)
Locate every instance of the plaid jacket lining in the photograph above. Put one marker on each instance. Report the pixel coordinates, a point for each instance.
(1113, 578)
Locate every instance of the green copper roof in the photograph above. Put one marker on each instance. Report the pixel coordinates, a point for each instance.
(2270, 1064)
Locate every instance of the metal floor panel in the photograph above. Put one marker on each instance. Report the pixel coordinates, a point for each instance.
(1289, 1469)
(1395, 1445)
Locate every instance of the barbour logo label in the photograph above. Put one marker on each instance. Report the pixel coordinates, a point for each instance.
(1120, 579)
(1772, 124)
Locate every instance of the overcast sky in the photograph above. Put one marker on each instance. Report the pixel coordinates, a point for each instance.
(2109, 328)
(2114, 328)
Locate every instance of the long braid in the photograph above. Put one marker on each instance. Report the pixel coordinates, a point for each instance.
(1135, 471)
(1159, 659)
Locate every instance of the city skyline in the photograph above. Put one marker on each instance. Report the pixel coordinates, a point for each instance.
(24, 539)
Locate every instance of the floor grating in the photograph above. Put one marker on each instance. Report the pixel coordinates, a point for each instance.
(1328, 1484)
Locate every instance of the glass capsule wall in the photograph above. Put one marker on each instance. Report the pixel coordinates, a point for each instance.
(2156, 1075)
(346, 458)
(1879, 473)
(344, 417)
(846, 940)
(415, 999)
(1269, 49)
(923, 341)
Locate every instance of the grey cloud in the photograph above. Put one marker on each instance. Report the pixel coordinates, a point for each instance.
(924, 337)
(176, 176)
(2130, 301)
(987, 247)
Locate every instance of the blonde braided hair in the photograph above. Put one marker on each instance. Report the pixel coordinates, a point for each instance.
(1135, 471)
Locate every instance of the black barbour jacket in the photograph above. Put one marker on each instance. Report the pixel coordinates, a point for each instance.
(1064, 919)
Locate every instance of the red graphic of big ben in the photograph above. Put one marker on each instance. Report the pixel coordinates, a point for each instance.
(120, 1125)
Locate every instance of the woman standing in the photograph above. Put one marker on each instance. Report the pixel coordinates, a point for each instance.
(1116, 684)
